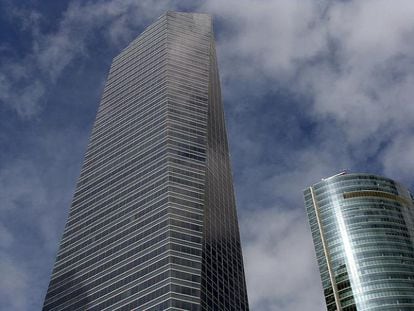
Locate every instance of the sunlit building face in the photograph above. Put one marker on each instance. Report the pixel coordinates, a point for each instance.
(153, 223)
(363, 231)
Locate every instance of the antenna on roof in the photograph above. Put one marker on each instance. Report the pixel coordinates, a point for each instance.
(343, 172)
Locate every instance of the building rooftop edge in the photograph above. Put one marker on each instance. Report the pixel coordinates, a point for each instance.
(189, 13)
(347, 173)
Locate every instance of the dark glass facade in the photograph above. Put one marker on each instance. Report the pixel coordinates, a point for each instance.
(363, 231)
(153, 223)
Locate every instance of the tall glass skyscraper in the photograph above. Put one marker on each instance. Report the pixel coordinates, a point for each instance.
(153, 223)
(363, 231)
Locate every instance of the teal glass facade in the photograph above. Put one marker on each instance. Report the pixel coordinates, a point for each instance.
(153, 222)
(363, 231)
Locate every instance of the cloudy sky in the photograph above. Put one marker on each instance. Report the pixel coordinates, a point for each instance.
(311, 87)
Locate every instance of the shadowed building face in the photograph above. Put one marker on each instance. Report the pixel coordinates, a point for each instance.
(363, 231)
(153, 223)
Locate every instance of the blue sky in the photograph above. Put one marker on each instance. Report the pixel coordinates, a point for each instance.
(311, 87)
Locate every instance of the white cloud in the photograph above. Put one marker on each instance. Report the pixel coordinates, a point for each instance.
(35, 193)
(24, 82)
(279, 261)
(13, 285)
(6, 237)
(366, 92)
(21, 187)
(398, 158)
(355, 59)
(268, 38)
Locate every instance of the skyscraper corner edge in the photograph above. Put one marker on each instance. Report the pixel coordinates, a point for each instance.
(146, 228)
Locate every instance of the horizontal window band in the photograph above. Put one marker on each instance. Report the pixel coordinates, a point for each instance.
(378, 194)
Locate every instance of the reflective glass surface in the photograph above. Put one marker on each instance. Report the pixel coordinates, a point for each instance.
(153, 222)
(363, 231)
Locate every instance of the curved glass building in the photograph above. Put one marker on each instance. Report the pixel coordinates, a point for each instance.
(363, 231)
